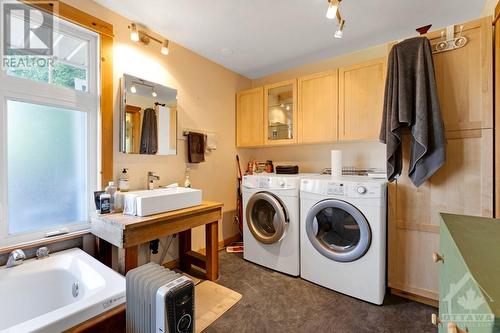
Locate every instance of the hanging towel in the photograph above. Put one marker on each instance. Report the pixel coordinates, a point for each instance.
(411, 100)
(196, 147)
(149, 133)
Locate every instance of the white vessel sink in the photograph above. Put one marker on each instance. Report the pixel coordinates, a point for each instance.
(162, 200)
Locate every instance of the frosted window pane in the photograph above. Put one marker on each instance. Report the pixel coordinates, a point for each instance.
(46, 166)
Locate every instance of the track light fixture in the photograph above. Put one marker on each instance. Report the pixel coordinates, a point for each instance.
(333, 7)
(137, 35)
(134, 32)
(340, 33)
(333, 12)
(164, 47)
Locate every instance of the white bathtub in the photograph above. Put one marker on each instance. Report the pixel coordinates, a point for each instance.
(38, 295)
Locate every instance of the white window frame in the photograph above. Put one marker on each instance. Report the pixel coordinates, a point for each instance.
(29, 91)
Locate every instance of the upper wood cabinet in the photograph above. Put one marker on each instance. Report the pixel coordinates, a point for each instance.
(280, 113)
(464, 78)
(250, 118)
(361, 99)
(318, 107)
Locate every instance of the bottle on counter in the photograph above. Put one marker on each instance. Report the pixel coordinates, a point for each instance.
(111, 190)
(123, 182)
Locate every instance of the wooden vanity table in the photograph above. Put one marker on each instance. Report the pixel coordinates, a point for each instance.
(128, 232)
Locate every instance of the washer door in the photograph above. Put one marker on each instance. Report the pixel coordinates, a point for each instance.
(266, 217)
(338, 230)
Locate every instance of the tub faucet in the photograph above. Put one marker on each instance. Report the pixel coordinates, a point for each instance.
(151, 178)
(16, 258)
(42, 253)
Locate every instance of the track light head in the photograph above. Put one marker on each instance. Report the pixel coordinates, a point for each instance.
(134, 32)
(333, 7)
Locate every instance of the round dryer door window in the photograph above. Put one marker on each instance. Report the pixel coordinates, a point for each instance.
(338, 230)
(266, 217)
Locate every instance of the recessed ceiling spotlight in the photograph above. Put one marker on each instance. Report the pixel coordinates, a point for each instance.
(333, 7)
(226, 51)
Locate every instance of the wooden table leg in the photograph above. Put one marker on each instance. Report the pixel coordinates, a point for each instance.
(212, 246)
(128, 258)
(104, 252)
(184, 247)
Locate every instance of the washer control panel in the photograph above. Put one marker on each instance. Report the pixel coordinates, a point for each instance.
(341, 188)
(270, 182)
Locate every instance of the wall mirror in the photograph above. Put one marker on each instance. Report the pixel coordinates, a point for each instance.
(148, 123)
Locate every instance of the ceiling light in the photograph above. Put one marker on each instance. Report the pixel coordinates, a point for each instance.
(333, 7)
(339, 33)
(134, 32)
(164, 47)
(154, 93)
(133, 90)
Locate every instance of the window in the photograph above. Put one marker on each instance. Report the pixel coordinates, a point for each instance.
(49, 138)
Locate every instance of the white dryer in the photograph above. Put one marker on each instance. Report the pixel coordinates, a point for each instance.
(343, 235)
(271, 221)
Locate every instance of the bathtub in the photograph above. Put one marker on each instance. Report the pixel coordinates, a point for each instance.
(57, 293)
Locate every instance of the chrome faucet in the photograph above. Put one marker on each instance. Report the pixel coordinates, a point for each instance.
(151, 178)
(42, 253)
(16, 258)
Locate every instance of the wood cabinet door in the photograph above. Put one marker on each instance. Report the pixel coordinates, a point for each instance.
(318, 107)
(280, 113)
(462, 186)
(464, 78)
(250, 118)
(361, 99)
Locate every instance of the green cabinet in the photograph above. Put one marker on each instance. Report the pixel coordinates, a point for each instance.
(469, 276)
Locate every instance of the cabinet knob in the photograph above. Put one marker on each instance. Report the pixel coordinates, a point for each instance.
(435, 319)
(453, 328)
(436, 257)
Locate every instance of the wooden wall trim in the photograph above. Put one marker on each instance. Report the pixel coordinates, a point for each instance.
(74, 15)
(496, 102)
(106, 109)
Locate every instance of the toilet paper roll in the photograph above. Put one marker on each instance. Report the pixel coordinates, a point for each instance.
(336, 163)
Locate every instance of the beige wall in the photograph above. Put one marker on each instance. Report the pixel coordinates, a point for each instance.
(205, 102)
(314, 158)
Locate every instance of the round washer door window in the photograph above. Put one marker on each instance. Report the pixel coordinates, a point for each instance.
(266, 217)
(338, 230)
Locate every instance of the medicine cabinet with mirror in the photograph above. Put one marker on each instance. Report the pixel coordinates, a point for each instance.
(148, 119)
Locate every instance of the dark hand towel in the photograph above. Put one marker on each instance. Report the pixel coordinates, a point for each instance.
(149, 133)
(196, 147)
(411, 100)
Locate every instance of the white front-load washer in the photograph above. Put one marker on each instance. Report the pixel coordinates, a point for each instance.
(343, 235)
(271, 221)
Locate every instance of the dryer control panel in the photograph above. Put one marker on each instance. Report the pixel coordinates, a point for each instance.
(328, 187)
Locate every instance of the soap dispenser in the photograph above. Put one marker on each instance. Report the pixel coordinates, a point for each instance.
(123, 182)
(187, 183)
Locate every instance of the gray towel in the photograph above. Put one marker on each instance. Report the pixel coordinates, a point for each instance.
(411, 100)
(196, 147)
(149, 133)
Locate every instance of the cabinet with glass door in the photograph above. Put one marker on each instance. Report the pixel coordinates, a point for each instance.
(280, 107)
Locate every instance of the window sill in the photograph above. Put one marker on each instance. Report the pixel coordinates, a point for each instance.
(45, 241)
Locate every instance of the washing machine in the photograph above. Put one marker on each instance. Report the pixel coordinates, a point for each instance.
(343, 235)
(271, 221)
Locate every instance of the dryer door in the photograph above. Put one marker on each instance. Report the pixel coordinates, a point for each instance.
(266, 217)
(338, 230)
